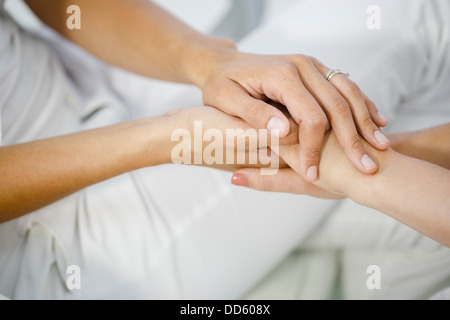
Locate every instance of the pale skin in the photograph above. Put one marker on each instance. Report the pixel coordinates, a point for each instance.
(157, 45)
(411, 186)
(38, 173)
(41, 172)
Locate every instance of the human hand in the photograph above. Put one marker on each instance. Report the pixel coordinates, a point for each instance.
(286, 180)
(289, 181)
(338, 178)
(207, 136)
(334, 165)
(242, 84)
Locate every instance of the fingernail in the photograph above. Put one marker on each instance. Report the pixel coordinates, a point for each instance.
(276, 126)
(367, 162)
(381, 138)
(381, 116)
(239, 180)
(311, 173)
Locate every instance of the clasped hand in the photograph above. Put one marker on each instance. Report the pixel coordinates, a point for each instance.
(243, 84)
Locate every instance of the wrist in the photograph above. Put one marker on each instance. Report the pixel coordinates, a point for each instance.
(202, 59)
(153, 137)
(368, 190)
(337, 174)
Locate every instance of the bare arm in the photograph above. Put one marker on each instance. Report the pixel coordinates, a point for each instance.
(412, 191)
(138, 36)
(38, 173)
(431, 145)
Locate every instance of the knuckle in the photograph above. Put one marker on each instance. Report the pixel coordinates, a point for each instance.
(340, 106)
(307, 62)
(352, 87)
(286, 67)
(319, 122)
(298, 58)
(303, 57)
(253, 112)
(367, 122)
(310, 155)
(355, 143)
(312, 60)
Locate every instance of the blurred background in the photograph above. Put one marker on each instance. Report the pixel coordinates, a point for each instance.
(232, 19)
(235, 19)
(227, 18)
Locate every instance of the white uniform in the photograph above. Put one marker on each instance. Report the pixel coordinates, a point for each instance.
(185, 232)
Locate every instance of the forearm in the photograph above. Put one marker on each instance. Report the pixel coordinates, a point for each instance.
(411, 191)
(155, 44)
(431, 145)
(38, 173)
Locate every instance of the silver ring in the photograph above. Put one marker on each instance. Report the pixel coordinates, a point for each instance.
(334, 72)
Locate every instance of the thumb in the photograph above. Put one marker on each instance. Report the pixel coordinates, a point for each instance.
(253, 179)
(257, 113)
(286, 180)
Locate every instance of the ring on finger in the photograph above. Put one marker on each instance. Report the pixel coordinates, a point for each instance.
(334, 72)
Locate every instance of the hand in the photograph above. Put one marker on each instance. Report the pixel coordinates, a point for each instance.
(334, 165)
(289, 181)
(207, 136)
(333, 181)
(241, 84)
(286, 180)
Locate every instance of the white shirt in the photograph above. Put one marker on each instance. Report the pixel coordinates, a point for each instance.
(33, 87)
(45, 91)
(157, 234)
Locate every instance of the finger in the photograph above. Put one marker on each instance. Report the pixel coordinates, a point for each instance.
(251, 178)
(341, 118)
(376, 114)
(257, 113)
(310, 117)
(311, 139)
(293, 136)
(236, 159)
(286, 180)
(361, 115)
(289, 155)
